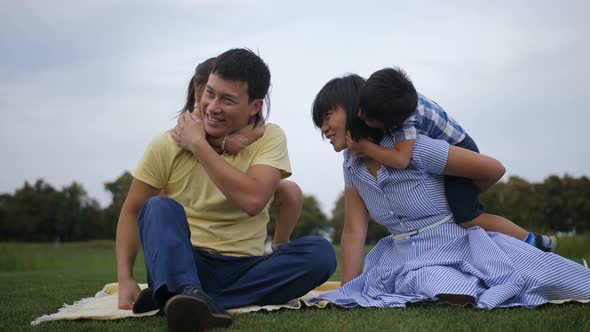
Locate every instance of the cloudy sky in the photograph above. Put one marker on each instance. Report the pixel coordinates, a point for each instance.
(85, 85)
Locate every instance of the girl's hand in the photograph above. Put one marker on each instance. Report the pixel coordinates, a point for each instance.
(239, 140)
(235, 143)
(189, 131)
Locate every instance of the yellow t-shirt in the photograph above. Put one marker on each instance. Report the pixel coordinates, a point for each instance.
(216, 224)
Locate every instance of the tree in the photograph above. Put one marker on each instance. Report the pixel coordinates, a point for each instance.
(118, 189)
(375, 231)
(79, 217)
(311, 222)
(7, 229)
(518, 201)
(32, 216)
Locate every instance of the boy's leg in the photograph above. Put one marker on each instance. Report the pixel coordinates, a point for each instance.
(494, 223)
(288, 201)
(290, 272)
(462, 195)
(463, 199)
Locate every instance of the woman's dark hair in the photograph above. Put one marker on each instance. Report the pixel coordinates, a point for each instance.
(243, 65)
(198, 80)
(344, 91)
(388, 96)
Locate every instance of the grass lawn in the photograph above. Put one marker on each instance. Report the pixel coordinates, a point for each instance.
(36, 279)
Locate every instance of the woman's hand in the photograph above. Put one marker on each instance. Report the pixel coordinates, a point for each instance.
(189, 131)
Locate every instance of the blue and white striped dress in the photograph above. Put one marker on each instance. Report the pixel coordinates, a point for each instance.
(495, 269)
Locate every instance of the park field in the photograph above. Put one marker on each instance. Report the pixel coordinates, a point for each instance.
(36, 279)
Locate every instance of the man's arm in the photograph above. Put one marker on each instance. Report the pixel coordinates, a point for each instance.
(354, 234)
(250, 191)
(127, 242)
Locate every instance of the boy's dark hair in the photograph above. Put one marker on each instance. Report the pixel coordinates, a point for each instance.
(388, 96)
(241, 64)
(199, 79)
(344, 91)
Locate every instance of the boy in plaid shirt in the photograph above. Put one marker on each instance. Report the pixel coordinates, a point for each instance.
(389, 100)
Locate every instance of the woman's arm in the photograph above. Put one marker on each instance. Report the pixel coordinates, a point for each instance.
(484, 170)
(354, 234)
(438, 157)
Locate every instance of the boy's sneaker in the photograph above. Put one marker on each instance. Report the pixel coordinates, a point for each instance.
(546, 243)
(144, 302)
(192, 310)
(553, 243)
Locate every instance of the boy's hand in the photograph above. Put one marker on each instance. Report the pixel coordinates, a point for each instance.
(356, 148)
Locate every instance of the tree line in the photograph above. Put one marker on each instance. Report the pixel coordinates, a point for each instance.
(558, 204)
(39, 212)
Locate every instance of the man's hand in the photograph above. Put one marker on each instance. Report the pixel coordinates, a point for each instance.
(128, 291)
(356, 148)
(189, 131)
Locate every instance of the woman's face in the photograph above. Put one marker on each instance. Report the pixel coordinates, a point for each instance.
(334, 128)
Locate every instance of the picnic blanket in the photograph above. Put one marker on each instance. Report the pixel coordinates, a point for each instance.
(103, 306)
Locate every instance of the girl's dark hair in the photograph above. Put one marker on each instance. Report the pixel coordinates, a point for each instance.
(199, 79)
(344, 92)
(388, 96)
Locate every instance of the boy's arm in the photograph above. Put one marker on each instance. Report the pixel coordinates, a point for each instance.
(397, 157)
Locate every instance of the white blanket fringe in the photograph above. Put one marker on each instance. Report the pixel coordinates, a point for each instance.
(103, 306)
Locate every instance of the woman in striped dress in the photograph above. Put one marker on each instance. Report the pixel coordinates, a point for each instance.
(428, 257)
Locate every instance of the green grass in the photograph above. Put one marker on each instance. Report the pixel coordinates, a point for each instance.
(36, 279)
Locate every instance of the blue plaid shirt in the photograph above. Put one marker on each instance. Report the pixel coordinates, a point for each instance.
(431, 120)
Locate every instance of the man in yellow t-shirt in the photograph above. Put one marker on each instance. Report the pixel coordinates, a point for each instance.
(203, 243)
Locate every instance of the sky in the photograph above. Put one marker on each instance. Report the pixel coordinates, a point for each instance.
(86, 85)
